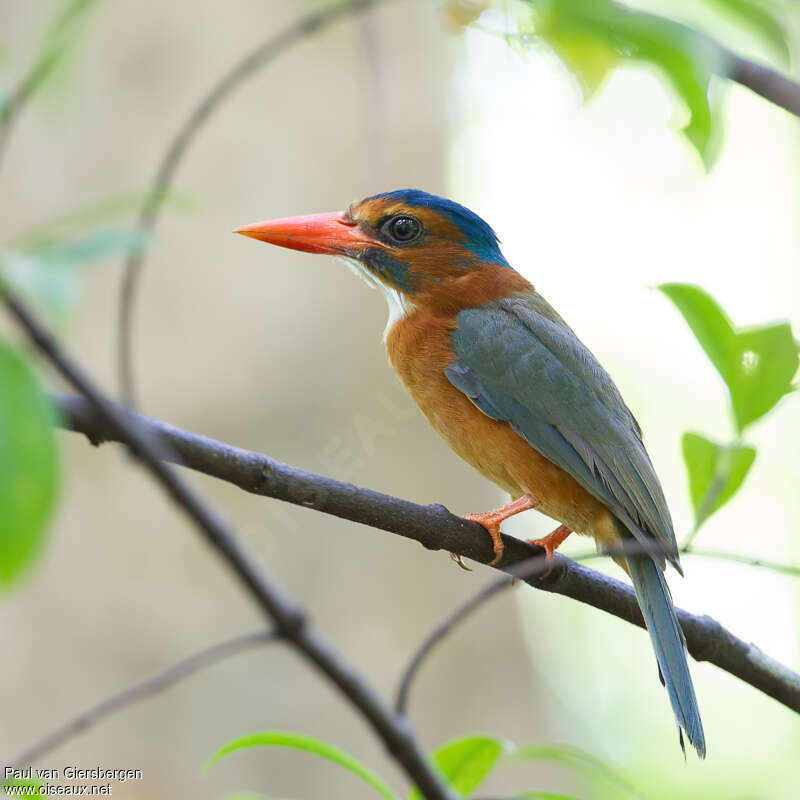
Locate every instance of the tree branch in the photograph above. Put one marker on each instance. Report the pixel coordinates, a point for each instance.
(141, 691)
(289, 620)
(436, 528)
(256, 59)
(764, 81)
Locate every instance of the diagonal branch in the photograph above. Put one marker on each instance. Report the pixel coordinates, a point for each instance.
(289, 620)
(436, 528)
(141, 691)
(257, 59)
(764, 81)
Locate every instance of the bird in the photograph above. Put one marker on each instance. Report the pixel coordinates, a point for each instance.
(508, 385)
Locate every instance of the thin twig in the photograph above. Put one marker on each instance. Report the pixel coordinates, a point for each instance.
(42, 67)
(257, 59)
(531, 568)
(141, 691)
(724, 555)
(19, 97)
(288, 618)
(437, 529)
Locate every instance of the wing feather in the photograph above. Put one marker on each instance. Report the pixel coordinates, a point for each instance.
(519, 362)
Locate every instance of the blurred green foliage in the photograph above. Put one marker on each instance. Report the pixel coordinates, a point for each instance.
(757, 365)
(308, 744)
(42, 265)
(462, 763)
(573, 758)
(764, 17)
(28, 464)
(28, 452)
(46, 275)
(88, 217)
(60, 36)
(593, 37)
(465, 762)
(715, 472)
(608, 33)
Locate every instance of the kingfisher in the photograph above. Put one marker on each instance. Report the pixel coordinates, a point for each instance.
(510, 387)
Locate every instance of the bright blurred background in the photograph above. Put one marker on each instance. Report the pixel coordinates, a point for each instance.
(270, 350)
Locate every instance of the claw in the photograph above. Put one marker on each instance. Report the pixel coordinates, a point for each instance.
(552, 541)
(457, 558)
(491, 521)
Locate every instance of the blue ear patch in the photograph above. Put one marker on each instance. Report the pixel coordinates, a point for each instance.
(392, 270)
(478, 234)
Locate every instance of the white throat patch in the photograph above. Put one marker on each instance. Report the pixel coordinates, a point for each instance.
(399, 305)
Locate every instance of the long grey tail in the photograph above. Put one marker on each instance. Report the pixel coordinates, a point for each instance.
(670, 646)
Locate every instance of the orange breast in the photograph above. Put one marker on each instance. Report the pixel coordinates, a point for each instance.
(419, 349)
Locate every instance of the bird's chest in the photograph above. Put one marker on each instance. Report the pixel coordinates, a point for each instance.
(419, 348)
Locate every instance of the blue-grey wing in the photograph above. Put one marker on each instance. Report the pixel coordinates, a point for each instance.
(519, 362)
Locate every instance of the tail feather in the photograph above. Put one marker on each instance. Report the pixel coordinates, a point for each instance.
(669, 644)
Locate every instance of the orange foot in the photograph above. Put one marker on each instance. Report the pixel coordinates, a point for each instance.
(552, 541)
(491, 521)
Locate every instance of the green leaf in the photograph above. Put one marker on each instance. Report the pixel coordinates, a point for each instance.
(59, 39)
(591, 35)
(766, 363)
(578, 760)
(308, 744)
(59, 42)
(94, 246)
(76, 221)
(465, 762)
(709, 323)
(28, 465)
(46, 276)
(715, 472)
(588, 56)
(761, 20)
(756, 363)
(54, 290)
(544, 796)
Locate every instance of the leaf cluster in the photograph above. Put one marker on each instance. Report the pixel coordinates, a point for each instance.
(463, 763)
(757, 365)
(594, 37)
(43, 265)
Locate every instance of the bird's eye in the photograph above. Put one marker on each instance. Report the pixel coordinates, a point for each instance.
(402, 228)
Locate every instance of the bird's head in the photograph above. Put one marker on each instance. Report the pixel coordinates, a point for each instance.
(420, 248)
